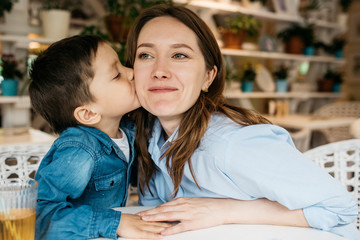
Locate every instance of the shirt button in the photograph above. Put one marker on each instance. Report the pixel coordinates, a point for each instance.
(112, 183)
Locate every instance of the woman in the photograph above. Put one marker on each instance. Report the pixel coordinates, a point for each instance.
(231, 164)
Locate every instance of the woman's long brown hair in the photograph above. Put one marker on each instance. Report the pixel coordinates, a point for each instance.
(195, 121)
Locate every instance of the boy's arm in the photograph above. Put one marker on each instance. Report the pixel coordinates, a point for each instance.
(64, 178)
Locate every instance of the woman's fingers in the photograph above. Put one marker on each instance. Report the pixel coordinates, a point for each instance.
(178, 228)
(165, 216)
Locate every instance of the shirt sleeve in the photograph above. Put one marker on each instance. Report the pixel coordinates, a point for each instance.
(66, 177)
(264, 163)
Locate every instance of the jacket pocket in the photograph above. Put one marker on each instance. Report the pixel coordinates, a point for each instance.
(110, 181)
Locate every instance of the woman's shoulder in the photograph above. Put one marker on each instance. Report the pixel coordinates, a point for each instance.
(223, 127)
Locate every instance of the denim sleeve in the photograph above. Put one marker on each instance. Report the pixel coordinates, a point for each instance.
(263, 162)
(62, 178)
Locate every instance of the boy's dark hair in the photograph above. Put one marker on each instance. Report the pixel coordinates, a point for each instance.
(60, 79)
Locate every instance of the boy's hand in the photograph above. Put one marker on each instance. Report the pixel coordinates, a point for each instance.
(131, 226)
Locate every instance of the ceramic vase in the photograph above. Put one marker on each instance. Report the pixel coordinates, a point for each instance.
(9, 87)
(281, 85)
(247, 86)
(55, 23)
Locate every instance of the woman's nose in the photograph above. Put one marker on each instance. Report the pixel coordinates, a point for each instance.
(161, 70)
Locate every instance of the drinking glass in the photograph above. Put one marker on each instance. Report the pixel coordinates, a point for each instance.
(18, 208)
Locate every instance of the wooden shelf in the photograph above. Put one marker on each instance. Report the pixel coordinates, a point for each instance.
(237, 94)
(237, 8)
(283, 56)
(23, 42)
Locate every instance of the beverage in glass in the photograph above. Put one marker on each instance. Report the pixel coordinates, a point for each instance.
(18, 209)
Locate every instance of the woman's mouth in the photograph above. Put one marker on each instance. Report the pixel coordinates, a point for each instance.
(162, 89)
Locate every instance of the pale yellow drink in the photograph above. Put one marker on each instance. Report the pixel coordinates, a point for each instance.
(18, 225)
(17, 209)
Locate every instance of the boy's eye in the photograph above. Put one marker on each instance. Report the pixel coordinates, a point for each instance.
(179, 56)
(117, 76)
(144, 56)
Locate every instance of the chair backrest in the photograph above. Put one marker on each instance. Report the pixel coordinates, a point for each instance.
(355, 129)
(342, 161)
(338, 109)
(21, 161)
(301, 139)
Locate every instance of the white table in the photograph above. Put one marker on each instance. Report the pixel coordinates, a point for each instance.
(246, 232)
(11, 136)
(300, 121)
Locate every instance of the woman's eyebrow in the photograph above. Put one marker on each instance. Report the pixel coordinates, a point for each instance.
(181, 45)
(176, 45)
(145, 45)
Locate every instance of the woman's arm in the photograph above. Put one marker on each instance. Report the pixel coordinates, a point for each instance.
(197, 213)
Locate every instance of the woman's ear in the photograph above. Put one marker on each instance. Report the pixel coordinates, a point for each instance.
(209, 78)
(86, 116)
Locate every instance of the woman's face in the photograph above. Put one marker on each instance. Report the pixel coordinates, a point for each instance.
(169, 68)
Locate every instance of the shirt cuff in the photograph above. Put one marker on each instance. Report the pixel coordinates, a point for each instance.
(105, 223)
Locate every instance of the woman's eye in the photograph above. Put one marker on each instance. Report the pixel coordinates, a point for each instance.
(144, 56)
(179, 56)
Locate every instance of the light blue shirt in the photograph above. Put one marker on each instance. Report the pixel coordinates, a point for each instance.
(258, 161)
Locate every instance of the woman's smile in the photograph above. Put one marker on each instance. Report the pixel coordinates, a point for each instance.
(162, 89)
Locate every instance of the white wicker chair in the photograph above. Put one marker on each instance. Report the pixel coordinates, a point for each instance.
(301, 139)
(355, 129)
(338, 109)
(342, 161)
(21, 161)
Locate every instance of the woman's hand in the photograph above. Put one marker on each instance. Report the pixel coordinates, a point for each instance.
(191, 213)
(131, 226)
(197, 213)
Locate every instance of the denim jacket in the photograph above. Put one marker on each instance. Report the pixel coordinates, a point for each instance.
(82, 177)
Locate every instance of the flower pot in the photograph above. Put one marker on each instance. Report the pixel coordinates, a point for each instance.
(117, 28)
(9, 87)
(339, 54)
(309, 51)
(336, 87)
(55, 23)
(247, 86)
(233, 39)
(295, 45)
(281, 85)
(325, 85)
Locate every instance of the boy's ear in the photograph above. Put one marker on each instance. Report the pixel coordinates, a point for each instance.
(84, 115)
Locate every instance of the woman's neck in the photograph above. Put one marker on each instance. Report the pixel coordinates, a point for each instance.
(169, 125)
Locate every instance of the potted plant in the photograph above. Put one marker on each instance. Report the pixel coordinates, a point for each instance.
(308, 37)
(338, 79)
(280, 75)
(337, 47)
(6, 6)
(326, 84)
(235, 29)
(248, 77)
(11, 74)
(55, 18)
(122, 13)
(296, 38)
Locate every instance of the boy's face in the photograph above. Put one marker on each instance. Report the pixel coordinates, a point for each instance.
(113, 85)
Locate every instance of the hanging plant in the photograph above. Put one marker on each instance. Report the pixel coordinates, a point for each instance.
(6, 6)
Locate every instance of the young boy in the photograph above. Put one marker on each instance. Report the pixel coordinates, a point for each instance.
(80, 87)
